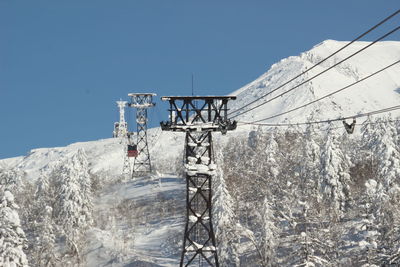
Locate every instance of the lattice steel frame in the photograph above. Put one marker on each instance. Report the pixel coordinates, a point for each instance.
(142, 102)
(121, 127)
(126, 169)
(198, 117)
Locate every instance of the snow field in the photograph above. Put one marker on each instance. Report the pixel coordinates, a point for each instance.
(144, 223)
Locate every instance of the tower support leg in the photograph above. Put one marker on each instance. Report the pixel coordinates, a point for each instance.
(199, 247)
(142, 163)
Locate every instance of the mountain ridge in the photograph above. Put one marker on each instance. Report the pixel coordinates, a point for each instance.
(357, 99)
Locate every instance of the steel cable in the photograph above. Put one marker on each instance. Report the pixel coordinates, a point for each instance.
(371, 113)
(316, 75)
(330, 94)
(318, 63)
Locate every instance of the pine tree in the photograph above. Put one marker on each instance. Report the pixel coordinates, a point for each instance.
(225, 221)
(269, 235)
(12, 237)
(266, 168)
(368, 226)
(85, 182)
(12, 179)
(310, 165)
(381, 139)
(43, 247)
(45, 243)
(43, 192)
(391, 230)
(270, 151)
(309, 252)
(335, 174)
(74, 201)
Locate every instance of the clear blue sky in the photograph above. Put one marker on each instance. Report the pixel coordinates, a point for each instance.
(63, 64)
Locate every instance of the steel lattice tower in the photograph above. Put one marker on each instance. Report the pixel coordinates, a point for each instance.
(142, 102)
(121, 127)
(121, 132)
(126, 169)
(198, 117)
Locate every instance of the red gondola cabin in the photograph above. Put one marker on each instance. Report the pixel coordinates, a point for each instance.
(132, 151)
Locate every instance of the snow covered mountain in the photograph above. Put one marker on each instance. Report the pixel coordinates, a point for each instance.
(151, 241)
(377, 92)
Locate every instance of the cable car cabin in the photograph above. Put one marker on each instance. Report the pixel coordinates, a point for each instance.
(349, 127)
(132, 151)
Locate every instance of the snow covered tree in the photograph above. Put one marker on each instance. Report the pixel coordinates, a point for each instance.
(390, 241)
(12, 179)
(85, 182)
(269, 156)
(269, 235)
(335, 175)
(310, 165)
(12, 237)
(42, 251)
(265, 167)
(309, 252)
(237, 166)
(44, 247)
(311, 150)
(264, 239)
(335, 197)
(367, 228)
(73, 205)
(308, 239)
(44, 193)
(381, 139)
(43, 190)
(224, 219)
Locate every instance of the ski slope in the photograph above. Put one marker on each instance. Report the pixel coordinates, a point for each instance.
(151, 236)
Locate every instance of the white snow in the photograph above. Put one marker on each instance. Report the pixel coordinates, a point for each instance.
(147, 241)
(378, 92)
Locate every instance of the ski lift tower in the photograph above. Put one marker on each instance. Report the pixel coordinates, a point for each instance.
(198, 117)
(141, 102)
(121, 127)
(121, 132)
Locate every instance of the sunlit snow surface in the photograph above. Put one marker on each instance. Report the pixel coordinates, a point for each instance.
(375, 93)
(148, 228)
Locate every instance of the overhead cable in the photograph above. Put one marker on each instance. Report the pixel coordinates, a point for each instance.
(316, 75)
(330, 94)
(334, 53)
(371, 113)
(341, 127)
(313, 77)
